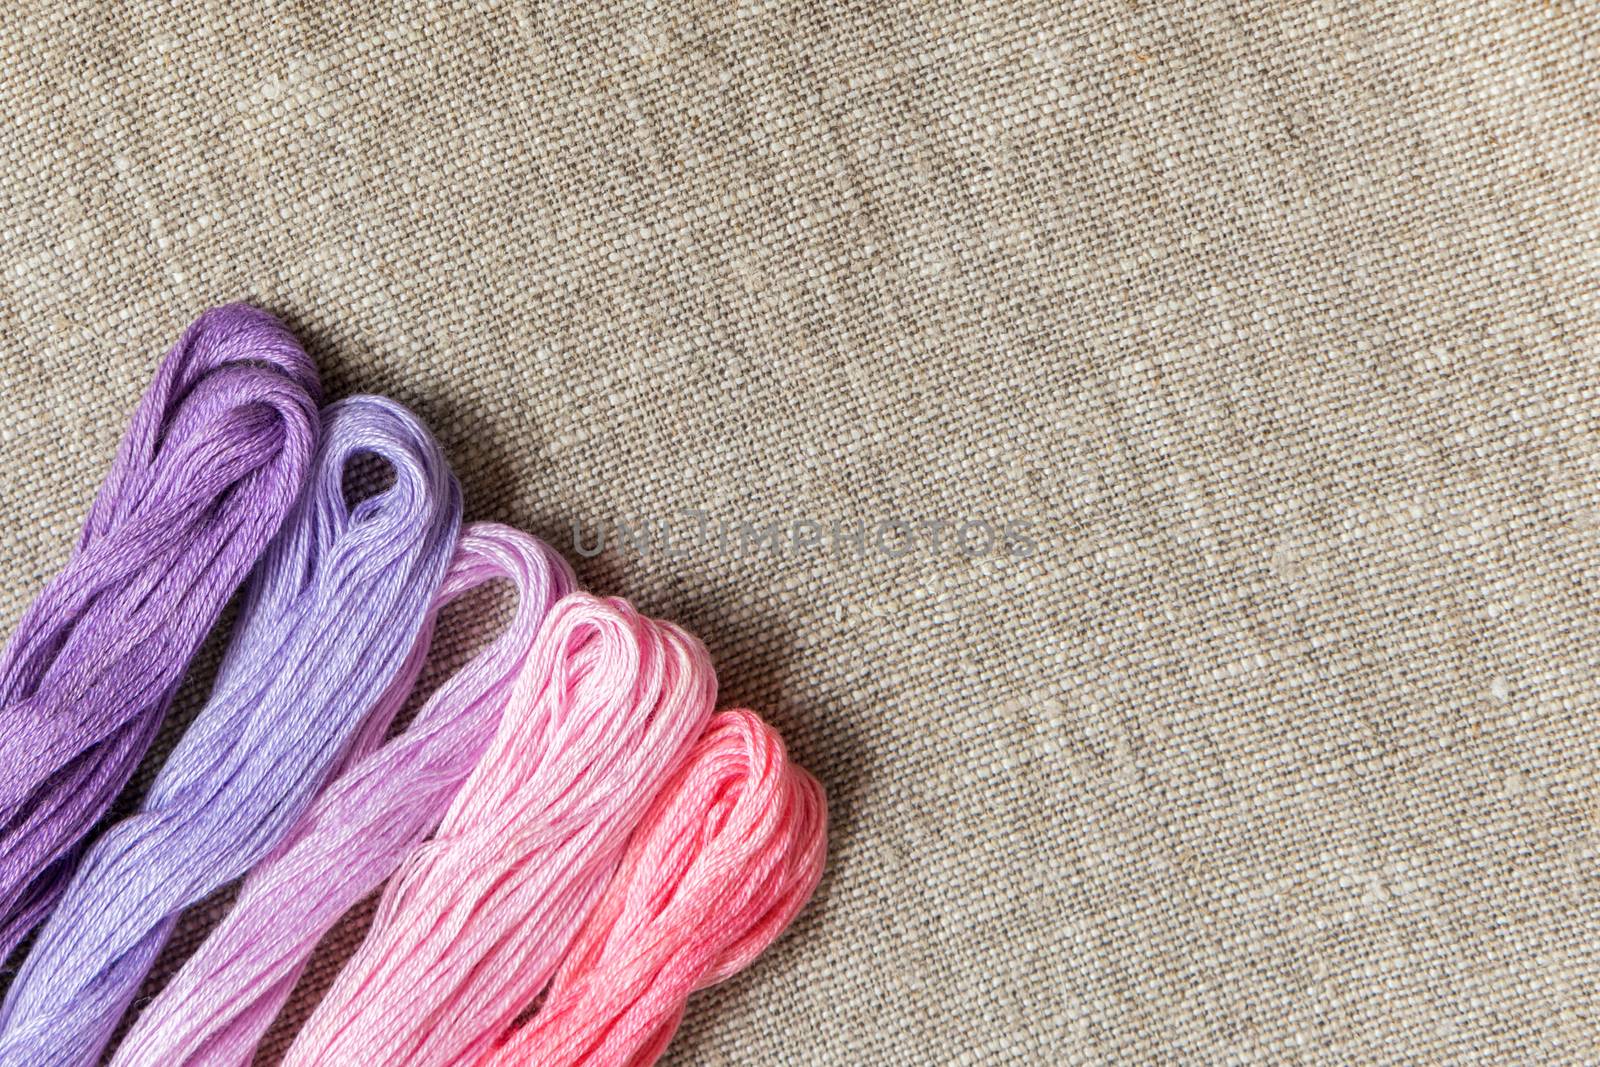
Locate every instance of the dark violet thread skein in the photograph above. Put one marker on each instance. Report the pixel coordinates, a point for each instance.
(212, 463)
(327, 632)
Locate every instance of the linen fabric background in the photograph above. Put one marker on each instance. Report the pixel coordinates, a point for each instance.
(1277, 321)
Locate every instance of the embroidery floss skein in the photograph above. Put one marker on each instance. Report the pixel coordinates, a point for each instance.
(215, 1010)
(729, 852)
(326, 630)
(473, 925)
(212, 462)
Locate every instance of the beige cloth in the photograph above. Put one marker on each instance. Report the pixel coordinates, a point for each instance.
(1278, 321)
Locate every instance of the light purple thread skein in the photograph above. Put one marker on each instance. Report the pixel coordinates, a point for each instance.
(326, 632)
(216, 1009)
(212, 462)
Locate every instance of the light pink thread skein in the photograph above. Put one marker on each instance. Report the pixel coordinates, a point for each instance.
(473, 926)
(215, 1010)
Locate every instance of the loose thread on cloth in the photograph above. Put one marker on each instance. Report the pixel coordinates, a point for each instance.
(215, 1010)
(212, 462)
(728, 853)
(475, 922)
(327, 629)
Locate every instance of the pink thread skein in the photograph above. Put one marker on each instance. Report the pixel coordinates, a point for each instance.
(475, 923)
(385, 803)
(729, 852)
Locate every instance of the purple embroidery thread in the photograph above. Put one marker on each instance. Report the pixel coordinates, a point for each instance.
(212, 463)
(328, 630)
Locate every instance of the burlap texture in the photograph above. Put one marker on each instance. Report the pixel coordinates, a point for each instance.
(1278, 322)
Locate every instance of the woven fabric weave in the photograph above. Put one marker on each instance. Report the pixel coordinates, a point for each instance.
(1277, 322)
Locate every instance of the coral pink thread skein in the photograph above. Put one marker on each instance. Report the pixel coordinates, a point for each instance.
(473, 925)
(729, 852)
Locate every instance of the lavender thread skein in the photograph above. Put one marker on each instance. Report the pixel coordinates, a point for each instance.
(212, 462)
(327, 631)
